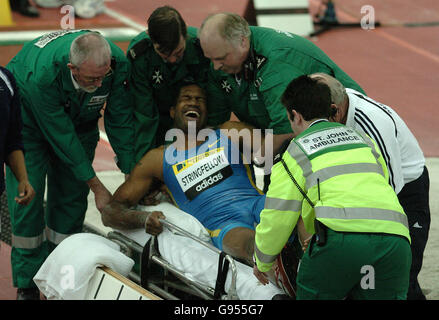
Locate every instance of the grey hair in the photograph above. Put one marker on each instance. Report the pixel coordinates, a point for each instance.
(338, 91)
(91, 45)
(232, 27)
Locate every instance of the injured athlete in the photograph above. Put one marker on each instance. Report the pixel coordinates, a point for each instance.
(209, 178)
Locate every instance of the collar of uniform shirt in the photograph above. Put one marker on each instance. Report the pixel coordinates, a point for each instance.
(75, 84)
(317, 121)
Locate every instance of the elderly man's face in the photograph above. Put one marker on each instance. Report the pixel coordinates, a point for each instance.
(89, 76)
(190, 106)
(226, 56)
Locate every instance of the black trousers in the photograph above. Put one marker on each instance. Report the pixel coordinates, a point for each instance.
(414, 199)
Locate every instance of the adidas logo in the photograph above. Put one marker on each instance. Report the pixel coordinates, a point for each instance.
(416, 225)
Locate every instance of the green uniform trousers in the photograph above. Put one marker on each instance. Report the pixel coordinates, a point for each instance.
(37, 230)
(357, 266)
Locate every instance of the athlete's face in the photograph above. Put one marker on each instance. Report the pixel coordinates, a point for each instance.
(190, 106)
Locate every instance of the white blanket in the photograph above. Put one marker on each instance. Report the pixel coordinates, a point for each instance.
(66, 272)
(197, 262)
(201, 264)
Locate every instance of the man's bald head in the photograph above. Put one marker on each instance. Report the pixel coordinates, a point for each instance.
(225, 39)
(228, 26)
(91, 46)
(338, 91)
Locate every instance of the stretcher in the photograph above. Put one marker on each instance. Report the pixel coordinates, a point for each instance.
(178, 265)
(161, 283)
(106, 284)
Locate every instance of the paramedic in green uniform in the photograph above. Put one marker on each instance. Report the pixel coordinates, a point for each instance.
(163, 58)
(336, 179)
(65, 79)
(256, 64)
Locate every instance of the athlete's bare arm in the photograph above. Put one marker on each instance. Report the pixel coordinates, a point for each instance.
(118, 213)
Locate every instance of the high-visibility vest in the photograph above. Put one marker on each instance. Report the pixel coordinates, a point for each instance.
(343, 174)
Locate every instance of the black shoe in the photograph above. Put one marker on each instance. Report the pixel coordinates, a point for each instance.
(28, 294)
(24, 7)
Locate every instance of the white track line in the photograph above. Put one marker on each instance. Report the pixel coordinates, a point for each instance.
(125, 19)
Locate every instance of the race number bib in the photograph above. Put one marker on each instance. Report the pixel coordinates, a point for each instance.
(202, 172)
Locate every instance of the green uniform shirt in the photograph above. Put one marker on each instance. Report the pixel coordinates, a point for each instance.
(345, 177)
(155, 84)
(275, 58)
(54, 109)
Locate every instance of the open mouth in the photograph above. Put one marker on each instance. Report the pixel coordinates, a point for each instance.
(192, 114)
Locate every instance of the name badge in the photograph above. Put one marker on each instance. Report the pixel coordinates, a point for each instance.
(96, 102)
(49, 37)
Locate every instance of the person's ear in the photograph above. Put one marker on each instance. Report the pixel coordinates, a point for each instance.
(297, 117)
(70, 66)
(333, 112)
(172, 112)
(245, 43)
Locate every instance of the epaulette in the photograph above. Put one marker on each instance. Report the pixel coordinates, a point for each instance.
(139, 48)
(113, 63)
(260, 60)
(253, 63)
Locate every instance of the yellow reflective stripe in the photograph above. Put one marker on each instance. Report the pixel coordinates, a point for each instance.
(326, 173)
(330, 172)
(361, 213)
(302, 160)
(27, 242)
(282, 204)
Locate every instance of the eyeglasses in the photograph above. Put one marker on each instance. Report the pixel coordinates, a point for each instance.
(95, 79)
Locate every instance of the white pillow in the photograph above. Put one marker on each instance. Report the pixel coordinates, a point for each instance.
(66, 272)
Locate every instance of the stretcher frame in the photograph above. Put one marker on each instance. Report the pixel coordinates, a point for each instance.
(107, 284)
(151, 256)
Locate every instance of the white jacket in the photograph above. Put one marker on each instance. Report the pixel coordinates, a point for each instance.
(399, 147)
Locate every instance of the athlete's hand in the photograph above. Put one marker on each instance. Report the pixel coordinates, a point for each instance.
(152, 223)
